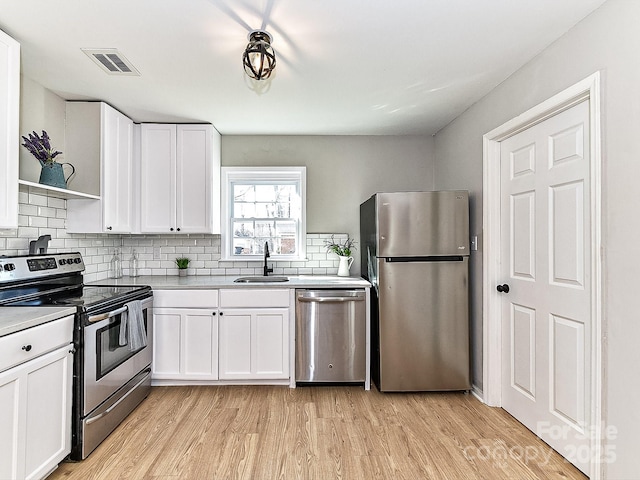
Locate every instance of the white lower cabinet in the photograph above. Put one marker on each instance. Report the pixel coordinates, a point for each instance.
(254, 334)
(254, 344)
(185, 344)
(185, 335)
(35, 406)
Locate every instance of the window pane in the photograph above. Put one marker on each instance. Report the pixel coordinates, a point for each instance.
(242, 246)
(265, 230)
(243, 229)
(244, 210)
(286, 232)
(244, 193)
(266, 193)
(264, 210)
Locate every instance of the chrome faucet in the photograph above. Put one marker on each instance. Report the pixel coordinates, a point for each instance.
(267, 270)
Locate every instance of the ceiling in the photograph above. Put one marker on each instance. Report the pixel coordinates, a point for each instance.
(344, 67)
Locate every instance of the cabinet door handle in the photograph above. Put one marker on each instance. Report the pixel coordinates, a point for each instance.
(171, 229)
(178, 229)
(109, 228)
(214, 314)
(26, 348)
(221, 313)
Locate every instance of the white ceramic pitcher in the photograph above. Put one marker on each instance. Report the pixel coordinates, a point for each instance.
(344, 266)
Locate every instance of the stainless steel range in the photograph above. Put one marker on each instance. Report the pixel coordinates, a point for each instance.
(112, 337)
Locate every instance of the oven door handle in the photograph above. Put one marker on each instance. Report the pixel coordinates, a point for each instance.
(104, 316)
(112, 407)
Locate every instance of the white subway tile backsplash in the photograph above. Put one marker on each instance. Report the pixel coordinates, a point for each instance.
(37, 221)
(18, 244)
(40, 215)
(27, 233)
(56, 222)
(46, 212)
(57, 203)
(26, 209)
(36, 199)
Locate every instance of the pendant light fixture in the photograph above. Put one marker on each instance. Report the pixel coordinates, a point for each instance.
(259, 58)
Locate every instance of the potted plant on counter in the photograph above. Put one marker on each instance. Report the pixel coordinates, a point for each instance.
(343, 250)
(183, 264)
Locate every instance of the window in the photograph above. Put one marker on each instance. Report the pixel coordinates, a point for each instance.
(263, 205)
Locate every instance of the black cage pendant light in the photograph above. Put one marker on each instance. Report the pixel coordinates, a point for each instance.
(259, 58)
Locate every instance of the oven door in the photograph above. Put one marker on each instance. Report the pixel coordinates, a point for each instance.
(108, 366)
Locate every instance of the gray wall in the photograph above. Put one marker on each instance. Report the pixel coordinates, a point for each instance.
(342, 171)
(607, 41)
(40, 109)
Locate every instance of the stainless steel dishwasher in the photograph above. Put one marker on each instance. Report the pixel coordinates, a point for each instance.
(330, 336)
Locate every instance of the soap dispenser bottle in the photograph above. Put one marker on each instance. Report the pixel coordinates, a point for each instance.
(115, 267)
(133, 264)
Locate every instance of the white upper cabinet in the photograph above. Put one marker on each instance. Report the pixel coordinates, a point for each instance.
(117, 179)
(9, 136)
(100, 140)
(180, 178)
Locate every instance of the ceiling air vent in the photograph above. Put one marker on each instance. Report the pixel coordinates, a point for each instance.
(111, 61)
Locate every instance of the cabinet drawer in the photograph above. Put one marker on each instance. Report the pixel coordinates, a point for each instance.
(32, 342)
(185, 298)
(254, 298)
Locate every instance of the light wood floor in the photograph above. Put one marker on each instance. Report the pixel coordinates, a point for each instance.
(342, 432)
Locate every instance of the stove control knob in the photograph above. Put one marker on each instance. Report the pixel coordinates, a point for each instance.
(77, 260)
(62, 261)
(8, 267)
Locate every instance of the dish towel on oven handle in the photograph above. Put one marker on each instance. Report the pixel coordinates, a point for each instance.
(132, 331)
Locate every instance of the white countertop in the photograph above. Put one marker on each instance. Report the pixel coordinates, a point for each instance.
(174, 282)
(14, 319)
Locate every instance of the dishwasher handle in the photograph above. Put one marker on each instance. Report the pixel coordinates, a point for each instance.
(312, 297)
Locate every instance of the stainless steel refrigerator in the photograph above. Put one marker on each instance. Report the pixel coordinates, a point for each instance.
(415, 252)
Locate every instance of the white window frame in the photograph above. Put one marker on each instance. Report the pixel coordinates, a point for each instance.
(230, 175)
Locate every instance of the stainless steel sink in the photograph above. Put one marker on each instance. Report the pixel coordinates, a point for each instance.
(263, 279)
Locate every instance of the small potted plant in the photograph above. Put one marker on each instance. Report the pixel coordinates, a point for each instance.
(183, 264)
(51, 172)
(343, 250)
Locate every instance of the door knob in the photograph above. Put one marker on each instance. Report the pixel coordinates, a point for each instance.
(503, 288)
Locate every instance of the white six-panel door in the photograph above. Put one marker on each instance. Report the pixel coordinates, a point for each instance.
(545, 238)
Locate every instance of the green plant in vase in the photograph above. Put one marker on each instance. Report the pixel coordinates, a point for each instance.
(343, 250)
(183, 264)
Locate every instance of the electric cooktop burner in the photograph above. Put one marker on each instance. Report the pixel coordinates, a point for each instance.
(93, 297)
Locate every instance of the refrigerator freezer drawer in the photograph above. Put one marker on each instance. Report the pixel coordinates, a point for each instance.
(422, 326)
(330, 336)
